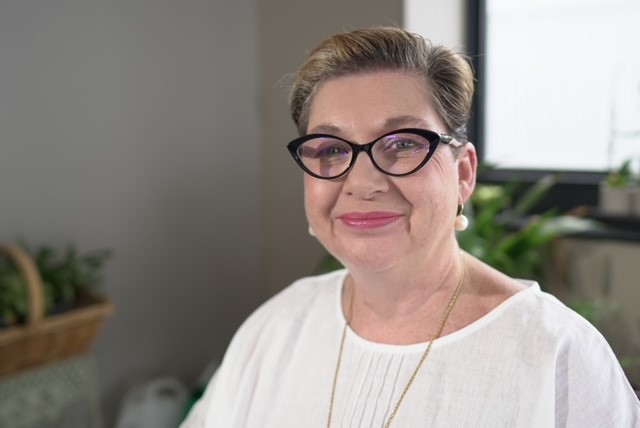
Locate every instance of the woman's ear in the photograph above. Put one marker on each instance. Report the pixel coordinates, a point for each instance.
(467, 167)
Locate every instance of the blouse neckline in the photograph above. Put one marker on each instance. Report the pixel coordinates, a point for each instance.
(530, 287)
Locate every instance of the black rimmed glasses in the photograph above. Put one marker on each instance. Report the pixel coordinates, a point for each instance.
(397, 153)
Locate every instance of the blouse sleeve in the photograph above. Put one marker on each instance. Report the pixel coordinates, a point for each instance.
(591, 387)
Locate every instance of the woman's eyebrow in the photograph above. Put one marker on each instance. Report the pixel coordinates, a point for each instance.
(405, 121)
(324, 129)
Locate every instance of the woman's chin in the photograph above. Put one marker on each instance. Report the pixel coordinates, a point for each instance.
(370, 254)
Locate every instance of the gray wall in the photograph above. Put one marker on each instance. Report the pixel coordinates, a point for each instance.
(134, 125)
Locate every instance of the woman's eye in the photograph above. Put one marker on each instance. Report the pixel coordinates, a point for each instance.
(331, 151)
(404, 145)
(325, 152)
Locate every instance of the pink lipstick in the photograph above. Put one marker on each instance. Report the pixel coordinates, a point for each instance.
(368, 220)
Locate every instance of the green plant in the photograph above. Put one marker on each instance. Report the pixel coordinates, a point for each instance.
(620, 177)
(504, 232)
(13, 295)
(68, 277)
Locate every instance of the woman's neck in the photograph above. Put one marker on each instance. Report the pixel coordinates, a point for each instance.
(402, 305)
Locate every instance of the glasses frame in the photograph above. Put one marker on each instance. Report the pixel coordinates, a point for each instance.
(433, 137)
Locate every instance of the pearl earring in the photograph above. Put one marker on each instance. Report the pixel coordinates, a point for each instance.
(311, 232)
(461, 222)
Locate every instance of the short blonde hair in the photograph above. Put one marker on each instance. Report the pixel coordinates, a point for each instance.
(448, 75)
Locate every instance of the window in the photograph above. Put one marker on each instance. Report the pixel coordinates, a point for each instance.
(562, 84)
(558, 90)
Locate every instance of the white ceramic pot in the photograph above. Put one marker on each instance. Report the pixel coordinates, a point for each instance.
(634, 194)
(614, 200)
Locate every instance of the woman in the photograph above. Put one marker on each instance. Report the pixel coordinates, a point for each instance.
(413, 332)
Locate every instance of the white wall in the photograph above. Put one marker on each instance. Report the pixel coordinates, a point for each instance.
(441, 21)
(134, 125)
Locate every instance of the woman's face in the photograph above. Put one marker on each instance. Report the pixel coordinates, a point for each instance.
(369, 220)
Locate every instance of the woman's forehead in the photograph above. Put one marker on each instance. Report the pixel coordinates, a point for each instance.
(381, 100)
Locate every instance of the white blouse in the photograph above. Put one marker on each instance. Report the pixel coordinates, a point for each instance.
(531, 362)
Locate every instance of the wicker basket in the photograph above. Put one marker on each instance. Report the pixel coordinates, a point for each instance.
(45, 340)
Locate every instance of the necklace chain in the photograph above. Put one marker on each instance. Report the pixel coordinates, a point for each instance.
(425, 354)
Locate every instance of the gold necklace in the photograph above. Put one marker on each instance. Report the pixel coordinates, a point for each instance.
(436, 334)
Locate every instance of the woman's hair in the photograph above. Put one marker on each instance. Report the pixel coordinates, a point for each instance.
(448, 75)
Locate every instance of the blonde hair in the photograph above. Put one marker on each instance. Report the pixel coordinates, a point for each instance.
(448, 75)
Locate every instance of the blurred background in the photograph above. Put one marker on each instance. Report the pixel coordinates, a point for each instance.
(157, 129)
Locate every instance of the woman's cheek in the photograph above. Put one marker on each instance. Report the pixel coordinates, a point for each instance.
(315, 200)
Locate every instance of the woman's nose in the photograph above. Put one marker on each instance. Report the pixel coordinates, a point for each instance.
(364, 180)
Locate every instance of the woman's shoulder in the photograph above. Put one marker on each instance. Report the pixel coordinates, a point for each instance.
(521, 303)
(540, 317)
(547, 310)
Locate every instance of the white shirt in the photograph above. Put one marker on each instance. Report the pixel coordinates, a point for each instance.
(530, 362)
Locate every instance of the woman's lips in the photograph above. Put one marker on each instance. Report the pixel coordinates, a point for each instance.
(368, 220)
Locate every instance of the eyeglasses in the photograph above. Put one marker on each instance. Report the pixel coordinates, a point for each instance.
(397, 153)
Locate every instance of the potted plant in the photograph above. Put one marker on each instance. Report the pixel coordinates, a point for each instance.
(617, 191)
(49, 304)
(70, 279)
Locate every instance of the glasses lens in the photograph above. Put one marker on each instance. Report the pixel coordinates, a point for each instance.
(326, 157)
(400, 153)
